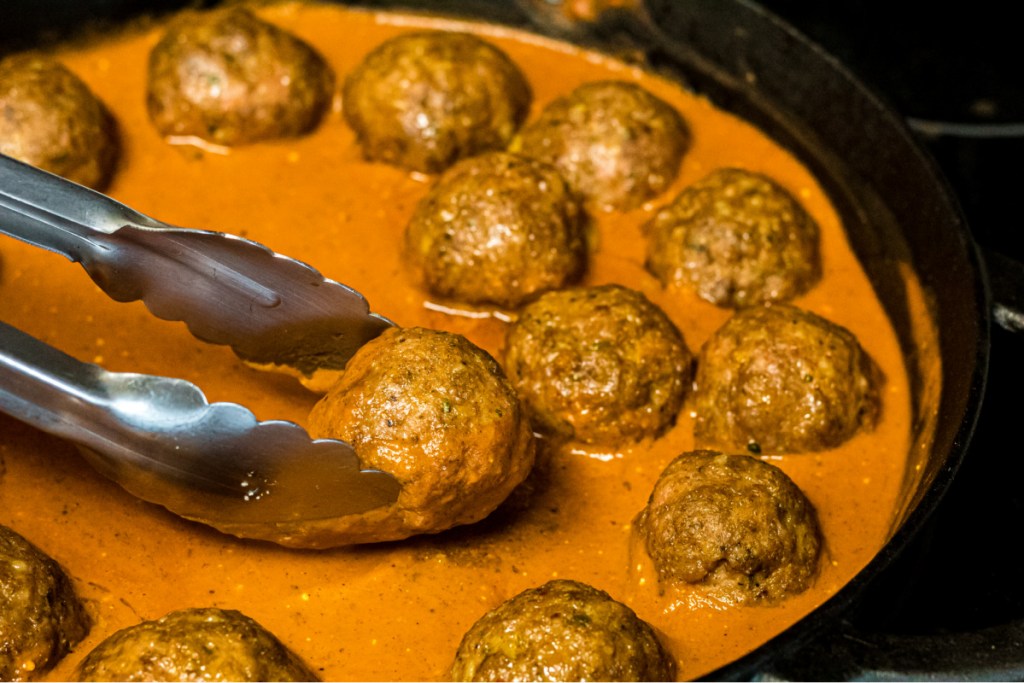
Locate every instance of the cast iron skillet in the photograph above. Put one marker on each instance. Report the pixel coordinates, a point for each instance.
(896, 207)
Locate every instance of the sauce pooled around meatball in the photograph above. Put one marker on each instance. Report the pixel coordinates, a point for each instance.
(41, 617)
(201, 644)
(737, 238)
(778, 379)
(230, 78)
(497, 228)
(50, 119)
(617, 144)
(425, 99)
(562, 631)
(599, 364)
(732, 527)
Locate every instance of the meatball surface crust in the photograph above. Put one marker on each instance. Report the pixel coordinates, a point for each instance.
(617, 144)
(230, 78)
(497, 228)
(598, 364)
(51, 119)
(736, 527)
(425, 99)
(737, 238)
(562, 631)
(438, 413)
(781, 379)
(41, 617)
(203, 644)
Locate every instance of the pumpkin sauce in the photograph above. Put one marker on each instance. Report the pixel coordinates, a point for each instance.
(397, 611)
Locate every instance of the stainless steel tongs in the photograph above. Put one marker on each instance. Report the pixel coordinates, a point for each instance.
(159, 437)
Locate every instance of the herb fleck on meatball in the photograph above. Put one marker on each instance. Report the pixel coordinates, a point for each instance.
(562, 631)
(738, 239)
(736, 528)
(425, 99)
(228, 77)
(41, 618)
(598, 364)
(438, 413)
(51, 119)
(616, 143)
(781, 379)
(497, 228)
(206, 644)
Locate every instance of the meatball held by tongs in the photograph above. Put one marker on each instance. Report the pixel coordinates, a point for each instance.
(438, 413)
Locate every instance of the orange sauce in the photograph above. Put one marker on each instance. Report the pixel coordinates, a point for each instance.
(397, 611)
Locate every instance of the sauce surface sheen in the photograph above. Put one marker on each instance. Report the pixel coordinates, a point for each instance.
(397, 611)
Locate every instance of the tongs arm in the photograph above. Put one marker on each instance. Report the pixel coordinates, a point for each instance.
(161, 440)
(50, 212)
(269, 308)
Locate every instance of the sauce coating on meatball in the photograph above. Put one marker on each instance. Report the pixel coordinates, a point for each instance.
(781, 379)
(497, 228)
(51, 119)
(616, 143)
(598, 364)
(737, 238)
(207, 644)
(562, 631)
(731, 526)
(230, 78)
(41, 617)
(438, 413)
(424, 100)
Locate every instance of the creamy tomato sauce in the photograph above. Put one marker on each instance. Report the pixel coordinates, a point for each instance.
(398, 610)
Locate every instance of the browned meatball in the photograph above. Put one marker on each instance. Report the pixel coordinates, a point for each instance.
(598, 364)
(424, 100)
(51, 119)
(438, 413)
(780, 379)
(41, 618)
(497, 228)
(737, 238)
(736, 528)
(194, 645)
(231, 78)
(562, 631)
(617, 144)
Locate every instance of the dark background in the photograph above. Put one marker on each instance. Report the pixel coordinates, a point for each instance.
(954, 71)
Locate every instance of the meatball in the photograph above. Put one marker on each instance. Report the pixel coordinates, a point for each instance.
(562, 631)
(194, 645)
(438, 413)
(51, 119)
(231, 78)
(497, 228)
(735, 528)
(617, 144)
(41, 618)
(425, 99)
(598, 364)
(780, 379)
(737, 239)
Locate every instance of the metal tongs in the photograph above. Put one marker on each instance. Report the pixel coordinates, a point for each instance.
(158, 437)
